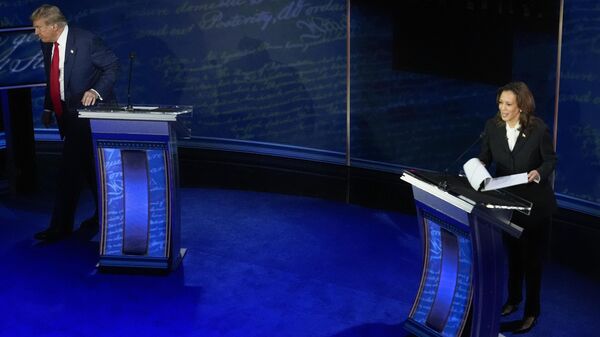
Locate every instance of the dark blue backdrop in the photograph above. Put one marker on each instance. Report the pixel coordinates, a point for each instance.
(272, 74)
(578, 173)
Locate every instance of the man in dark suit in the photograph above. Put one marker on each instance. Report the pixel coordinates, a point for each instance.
(80, 71)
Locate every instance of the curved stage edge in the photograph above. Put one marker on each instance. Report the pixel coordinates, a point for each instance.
(299, 171)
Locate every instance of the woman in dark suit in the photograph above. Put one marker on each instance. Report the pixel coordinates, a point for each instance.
(517, 141)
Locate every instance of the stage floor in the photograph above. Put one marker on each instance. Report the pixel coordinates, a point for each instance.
(257, 264)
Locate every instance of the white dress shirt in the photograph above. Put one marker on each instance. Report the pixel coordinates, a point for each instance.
(62, 46)
(512, 134)
(62, 51)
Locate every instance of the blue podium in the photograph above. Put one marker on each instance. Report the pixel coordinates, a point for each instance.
(462, 282)
(137, 173)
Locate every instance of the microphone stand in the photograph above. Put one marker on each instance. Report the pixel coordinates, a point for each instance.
(129, 106)
(443, 185)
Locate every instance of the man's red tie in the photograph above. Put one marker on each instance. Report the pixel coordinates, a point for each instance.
(55, 83)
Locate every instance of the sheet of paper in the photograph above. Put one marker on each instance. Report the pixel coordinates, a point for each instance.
(506, 181)
(143, 107)
(476, 173)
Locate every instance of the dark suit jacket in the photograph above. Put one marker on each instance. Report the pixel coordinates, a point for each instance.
(89, 64)
(533, 151)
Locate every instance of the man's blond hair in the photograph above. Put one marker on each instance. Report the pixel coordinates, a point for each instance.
(50, 14)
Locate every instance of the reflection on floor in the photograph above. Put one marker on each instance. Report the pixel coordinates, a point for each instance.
(258, 264)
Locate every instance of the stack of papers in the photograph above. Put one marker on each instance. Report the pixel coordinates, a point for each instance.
(481, 180)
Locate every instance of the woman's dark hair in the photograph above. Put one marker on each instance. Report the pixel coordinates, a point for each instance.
(525, 102)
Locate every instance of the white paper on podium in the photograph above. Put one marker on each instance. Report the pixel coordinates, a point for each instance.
(144, 107)
(477, 174)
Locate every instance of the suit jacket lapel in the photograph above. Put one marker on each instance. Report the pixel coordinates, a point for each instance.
(47, 53)
(70, 53)
(521, 140)
(501, 129)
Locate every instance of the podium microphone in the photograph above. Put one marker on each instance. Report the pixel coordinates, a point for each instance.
(131, 58)
(444, 183)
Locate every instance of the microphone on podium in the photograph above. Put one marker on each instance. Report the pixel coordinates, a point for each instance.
(131, 58)
(443, 184)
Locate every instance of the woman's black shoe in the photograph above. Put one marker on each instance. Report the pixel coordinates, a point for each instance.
(508, 309)
(526, 324)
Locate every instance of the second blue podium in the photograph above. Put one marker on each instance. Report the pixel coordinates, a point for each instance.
(461, 286)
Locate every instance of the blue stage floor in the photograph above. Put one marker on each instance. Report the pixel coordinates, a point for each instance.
(257, 264)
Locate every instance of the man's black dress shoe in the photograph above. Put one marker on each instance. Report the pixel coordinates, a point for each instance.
(89, 224)
(508, 309)
(88, 229)
(526, 324)
(51, 234)
(509, 326)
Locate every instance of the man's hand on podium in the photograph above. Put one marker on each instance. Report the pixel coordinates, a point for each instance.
(90, 97)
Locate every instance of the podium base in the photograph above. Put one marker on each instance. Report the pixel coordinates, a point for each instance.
(177, 260)
(420, 330)
(139, 264)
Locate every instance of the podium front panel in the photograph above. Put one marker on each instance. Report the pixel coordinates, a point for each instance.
(442, 303)
(136, 212)
(136, 162)
(122, 128)
(461, 285)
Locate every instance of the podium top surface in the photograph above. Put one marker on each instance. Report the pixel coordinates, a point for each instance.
(138, 112)
(456, 189)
